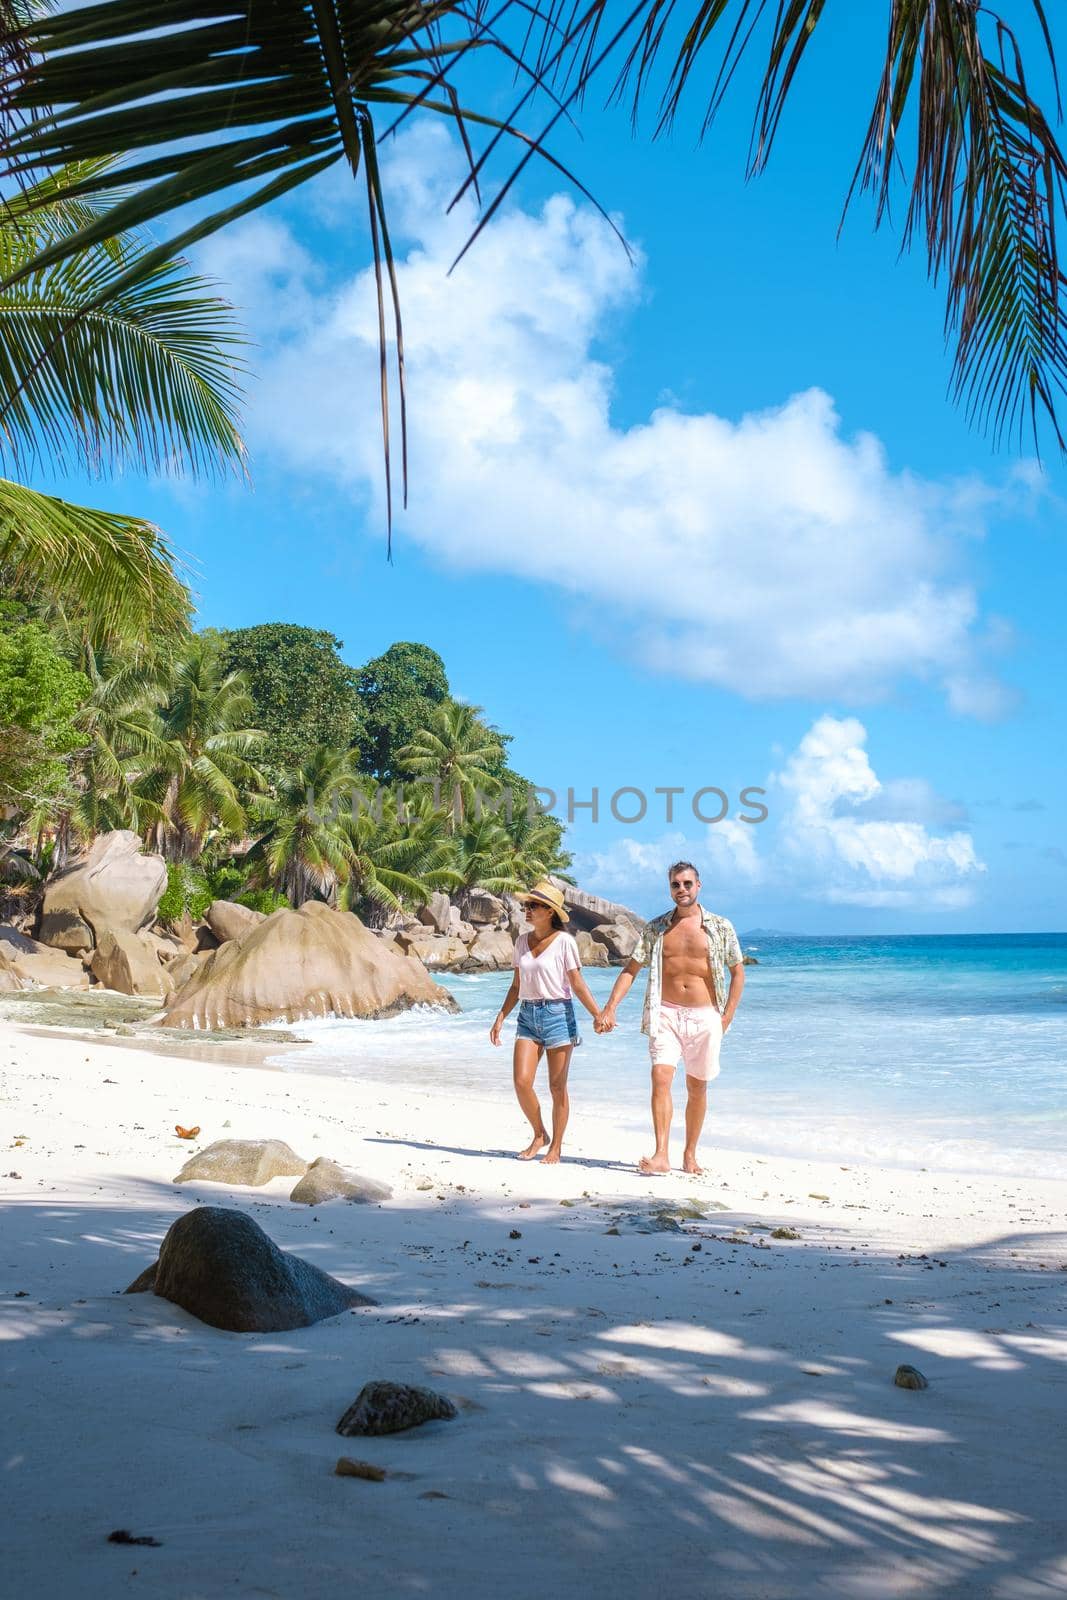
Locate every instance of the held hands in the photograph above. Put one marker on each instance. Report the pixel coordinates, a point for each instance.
(604, 1021)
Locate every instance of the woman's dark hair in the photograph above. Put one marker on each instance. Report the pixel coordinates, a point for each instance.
(557, 920)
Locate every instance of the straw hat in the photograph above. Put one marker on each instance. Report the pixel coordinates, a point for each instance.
(547, 894)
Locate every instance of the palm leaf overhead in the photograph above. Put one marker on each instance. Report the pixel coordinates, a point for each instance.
(264, 94)
(259, 94)
(952, 115)
(100, 373)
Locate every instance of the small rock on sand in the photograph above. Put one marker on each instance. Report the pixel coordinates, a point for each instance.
(385, 1407)
(906, 1377)
(348, 1467)
(243, 1161)
(326, 1180)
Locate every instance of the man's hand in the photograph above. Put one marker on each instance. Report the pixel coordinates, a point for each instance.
(494, 1031)
(727, 1018)
(605, 1021)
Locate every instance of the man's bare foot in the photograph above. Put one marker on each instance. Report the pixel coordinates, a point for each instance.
(692, 1166)
(551, 1157)
(654, 1166)
(537, 1143)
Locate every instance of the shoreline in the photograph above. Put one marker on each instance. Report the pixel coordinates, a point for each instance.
(705, 1400)
(276, 1050)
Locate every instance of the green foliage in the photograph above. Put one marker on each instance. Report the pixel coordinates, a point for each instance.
(303, 849)
(303, 694)
(197, 771)
(265, 900)
(40, 693)
(191, 887)
(399, 693)
(99, 374)
(170, 747)
(454, 754)
(188, 893)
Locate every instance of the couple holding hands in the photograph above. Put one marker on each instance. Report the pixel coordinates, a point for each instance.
(688, 1007)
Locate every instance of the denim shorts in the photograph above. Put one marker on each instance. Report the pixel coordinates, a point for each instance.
(548, 1022)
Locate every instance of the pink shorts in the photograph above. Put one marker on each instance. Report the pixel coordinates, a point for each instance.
(690, 1034)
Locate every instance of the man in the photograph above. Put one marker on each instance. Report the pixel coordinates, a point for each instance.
(687, 1007)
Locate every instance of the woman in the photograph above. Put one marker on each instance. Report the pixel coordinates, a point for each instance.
(548, 973)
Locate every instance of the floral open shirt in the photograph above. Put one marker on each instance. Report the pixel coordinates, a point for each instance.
(723, 951)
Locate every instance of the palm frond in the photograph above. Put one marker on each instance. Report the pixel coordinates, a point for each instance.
(255, 95)
(987, 184)
(115, 571)
(101, 373)
(952, 108)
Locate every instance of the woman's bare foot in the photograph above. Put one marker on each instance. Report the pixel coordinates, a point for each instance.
(551, 1157)
(692, 1166)
(537, 1143)
(654, 1166)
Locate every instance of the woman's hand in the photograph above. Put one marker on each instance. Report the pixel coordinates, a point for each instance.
(494, 1031)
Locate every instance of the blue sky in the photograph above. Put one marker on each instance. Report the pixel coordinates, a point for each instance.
(705, 520)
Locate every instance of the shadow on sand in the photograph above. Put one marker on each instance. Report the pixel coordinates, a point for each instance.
(638, 1416)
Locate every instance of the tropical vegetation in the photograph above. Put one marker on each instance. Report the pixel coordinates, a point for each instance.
(172, 748)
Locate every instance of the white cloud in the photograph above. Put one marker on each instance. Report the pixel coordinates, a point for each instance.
(843, 855)
(771, 555)
(836, 833)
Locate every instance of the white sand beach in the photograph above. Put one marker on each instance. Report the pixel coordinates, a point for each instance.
(698, 1413)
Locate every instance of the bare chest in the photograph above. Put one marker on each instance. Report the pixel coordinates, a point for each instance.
(686, 945)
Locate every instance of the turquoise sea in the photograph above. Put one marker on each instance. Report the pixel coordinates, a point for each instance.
(932, 1051)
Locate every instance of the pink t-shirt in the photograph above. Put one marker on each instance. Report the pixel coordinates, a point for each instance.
(544, 977)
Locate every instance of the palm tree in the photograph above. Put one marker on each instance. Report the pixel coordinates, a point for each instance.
(305, 850)
(274, 95)
(97, 375)
(537, 853)
(455, 754)
(485, 859)
(117, 721)
(396, 856)
(198, 775)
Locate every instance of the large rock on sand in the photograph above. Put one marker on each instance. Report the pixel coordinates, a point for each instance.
(492, 951)
(220, 1266)
(38, 964)
(326, 1180)
(592, 953)
(127, 963)
(618, 938)
(314, 962)
(114, 885)
(589, 911)
(432, 949)
(227, 920)
(436, 912)
(249, 1161)
(483, 908)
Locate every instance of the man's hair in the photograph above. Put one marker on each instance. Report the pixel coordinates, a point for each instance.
(682, 866)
